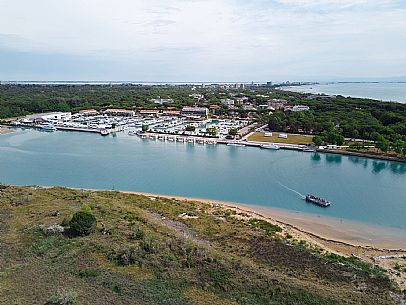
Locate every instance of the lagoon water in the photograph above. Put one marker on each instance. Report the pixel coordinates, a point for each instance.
(379, 91)
(360, 189)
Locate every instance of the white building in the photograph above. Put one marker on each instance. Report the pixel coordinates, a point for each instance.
(300, 108)
(49, 116)
(242, 100)
(195, 111)
(119, 112)
(161, 100)
(227, 102)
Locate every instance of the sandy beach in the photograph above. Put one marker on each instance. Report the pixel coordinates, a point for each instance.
(5, 129)
(382, 246)
(329, 229)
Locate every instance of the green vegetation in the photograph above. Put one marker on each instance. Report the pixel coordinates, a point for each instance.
(83, 222)
(331, 118)
(233, 132)
(190, 128)
(336, 118)
(269, 228)
(63, 298)
(292, 139)
(142, 252)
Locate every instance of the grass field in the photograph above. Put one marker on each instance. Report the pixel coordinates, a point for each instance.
(292, 139)
(151, 255)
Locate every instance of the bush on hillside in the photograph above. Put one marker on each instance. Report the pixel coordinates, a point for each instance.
(82, 223)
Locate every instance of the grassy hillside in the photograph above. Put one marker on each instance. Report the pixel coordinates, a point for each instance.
(145, 251)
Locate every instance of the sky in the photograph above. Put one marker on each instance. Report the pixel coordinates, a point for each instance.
(202, 40)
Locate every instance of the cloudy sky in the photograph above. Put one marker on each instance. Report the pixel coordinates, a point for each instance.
(202, 40)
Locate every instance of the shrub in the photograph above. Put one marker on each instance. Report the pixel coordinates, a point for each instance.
(264, 225)
(82, 223)
(138, 235)
(63, 298)
(86, 208)
(65, 222)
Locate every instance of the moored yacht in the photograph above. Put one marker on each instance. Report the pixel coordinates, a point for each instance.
(270, 146)
(48, 127)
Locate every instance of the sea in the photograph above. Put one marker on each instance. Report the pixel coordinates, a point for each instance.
(360, 189)
(383, 91)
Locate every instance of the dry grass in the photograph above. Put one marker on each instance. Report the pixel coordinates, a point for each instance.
(292, 139)
(222, 259)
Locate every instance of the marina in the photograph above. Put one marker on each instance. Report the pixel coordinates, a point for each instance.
(119, 120)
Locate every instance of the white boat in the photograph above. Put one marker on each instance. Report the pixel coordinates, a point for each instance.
(309, 149)
(104, 132)
(132, 133)
(270, 146)
(235, 144)
(48, 127)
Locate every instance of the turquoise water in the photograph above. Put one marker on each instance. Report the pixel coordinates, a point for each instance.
(379, 91)
(361, 189)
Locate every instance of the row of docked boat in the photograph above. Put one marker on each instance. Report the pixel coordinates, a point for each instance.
(180, 139)
(276, 147)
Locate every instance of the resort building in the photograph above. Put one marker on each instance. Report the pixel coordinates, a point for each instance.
(149, 112)
(215, 109)
(300, 108)
(161, 100)
(171, 112)
(195, 111)
(197, 96)
(249, 107)
(48, 116)
(88, 112)
(227, 102)
(242, 100)
(277, 103)
(120, 112)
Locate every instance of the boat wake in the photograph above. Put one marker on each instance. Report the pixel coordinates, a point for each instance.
(292, 190)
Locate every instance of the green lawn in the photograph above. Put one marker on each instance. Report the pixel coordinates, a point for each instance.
(292, 139)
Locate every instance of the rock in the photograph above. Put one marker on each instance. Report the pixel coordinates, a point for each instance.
(54, 229)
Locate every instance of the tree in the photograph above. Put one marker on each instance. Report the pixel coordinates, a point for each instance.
(339, 139)
(232, 132)
(383, 145)
(145, 128)
(212, 131)
(355, 134)
(82, 223)
(190, 128)
(317, 140)
(398, 146)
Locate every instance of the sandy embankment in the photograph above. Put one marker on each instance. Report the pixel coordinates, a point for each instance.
(324, 228)
(5, 129)
(381, 246)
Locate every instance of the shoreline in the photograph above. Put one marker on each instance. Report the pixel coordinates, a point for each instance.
(328, 230)
(4, 129)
